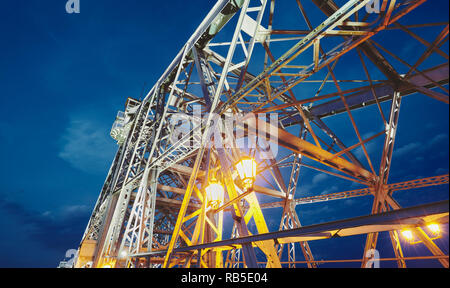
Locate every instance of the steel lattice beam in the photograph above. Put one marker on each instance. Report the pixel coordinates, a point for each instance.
(153, 201)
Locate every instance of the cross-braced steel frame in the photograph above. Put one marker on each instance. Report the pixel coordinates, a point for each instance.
(153, 210)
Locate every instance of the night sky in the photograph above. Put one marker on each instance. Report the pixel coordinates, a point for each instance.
(63, 77)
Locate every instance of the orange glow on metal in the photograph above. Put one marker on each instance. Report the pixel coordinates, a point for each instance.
(408, 235)
(434, 228)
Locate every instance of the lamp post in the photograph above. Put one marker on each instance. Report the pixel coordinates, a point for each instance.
(246, 168)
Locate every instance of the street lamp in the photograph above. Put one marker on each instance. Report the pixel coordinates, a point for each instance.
(214, 193)
(434, 228)
(247, 171)
(123, 254)
(408, 235)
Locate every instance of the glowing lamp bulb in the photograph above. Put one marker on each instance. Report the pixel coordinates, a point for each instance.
(434, 228)
(123, 254)
(247, 171)
(214, 193)
(408, 235)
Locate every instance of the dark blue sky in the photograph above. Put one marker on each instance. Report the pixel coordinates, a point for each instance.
(64, 77)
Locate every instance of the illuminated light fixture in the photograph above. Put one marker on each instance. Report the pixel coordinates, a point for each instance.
(123, 254)
(109, 263)
(434, 228)
(408, 235)
(247, 171)
(214, 193)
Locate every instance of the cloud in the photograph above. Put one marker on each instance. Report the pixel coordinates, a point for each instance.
(416, 147)
(69, 211)
(58, 230)
(406, 149)
(87, 146)
(320, 210)
(330, 190)
(319, 178)
(356, 185)
(440, 171)
(438, 139)
(350, 202)
(370, 147)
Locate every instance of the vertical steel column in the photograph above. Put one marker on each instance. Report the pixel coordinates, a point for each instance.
(290, 218)
(380, 190)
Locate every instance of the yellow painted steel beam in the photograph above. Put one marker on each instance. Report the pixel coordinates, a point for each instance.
(268, 247)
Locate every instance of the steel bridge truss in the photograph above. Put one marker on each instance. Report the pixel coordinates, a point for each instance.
(153, 211)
